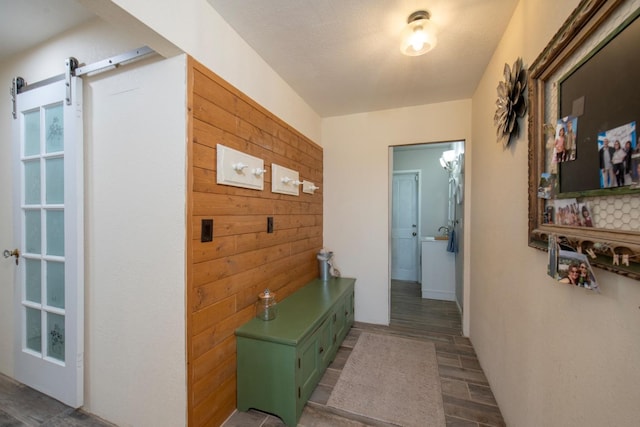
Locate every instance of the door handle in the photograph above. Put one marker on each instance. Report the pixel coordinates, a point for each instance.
(16, 253)
(414, 234)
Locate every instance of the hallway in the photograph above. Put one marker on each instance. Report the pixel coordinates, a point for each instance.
(468, 400)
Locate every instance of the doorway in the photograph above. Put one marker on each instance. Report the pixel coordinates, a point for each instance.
(440, 203)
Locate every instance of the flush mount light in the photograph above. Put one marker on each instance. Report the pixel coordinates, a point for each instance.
(419, 36)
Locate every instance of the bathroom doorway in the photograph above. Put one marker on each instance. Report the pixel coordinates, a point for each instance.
(440, 203)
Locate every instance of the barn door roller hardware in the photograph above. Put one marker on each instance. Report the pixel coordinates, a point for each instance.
(73, 69)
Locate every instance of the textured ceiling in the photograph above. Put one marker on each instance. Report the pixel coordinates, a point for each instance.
(343, 56)
(340, 56)
(27, 23)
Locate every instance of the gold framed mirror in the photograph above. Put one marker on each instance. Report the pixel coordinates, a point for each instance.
(583, 90)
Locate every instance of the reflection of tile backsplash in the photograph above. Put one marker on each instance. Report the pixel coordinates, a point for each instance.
(618, 213)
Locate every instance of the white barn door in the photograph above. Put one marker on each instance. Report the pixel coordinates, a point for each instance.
(48, 235)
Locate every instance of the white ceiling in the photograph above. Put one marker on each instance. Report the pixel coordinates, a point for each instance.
(340, 56)
(27, 23)
(343, 56)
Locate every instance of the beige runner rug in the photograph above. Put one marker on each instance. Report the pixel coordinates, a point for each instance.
(391, 379)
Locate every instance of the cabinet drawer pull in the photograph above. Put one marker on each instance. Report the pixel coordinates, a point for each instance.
(321, 350)
(334, 338)
(299, 394)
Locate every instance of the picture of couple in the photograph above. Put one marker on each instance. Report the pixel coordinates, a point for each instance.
(571, 268)
(619, 157)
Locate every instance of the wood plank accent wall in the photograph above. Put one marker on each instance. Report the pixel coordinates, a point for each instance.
(225, 276)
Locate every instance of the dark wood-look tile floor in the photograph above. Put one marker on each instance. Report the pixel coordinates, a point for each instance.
(22, 406)
(468, 400)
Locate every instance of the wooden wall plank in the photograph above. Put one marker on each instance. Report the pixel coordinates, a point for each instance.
(212, 380)
(211, 359)
(216, 333)
(217, 406)
(225, 275)
(211, 292)
(213, 314)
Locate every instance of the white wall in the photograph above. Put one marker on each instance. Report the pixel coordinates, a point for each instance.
(356, 189)
(554, 355)
(134, 226)
(136, 244)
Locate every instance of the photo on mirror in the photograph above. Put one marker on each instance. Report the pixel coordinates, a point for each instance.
(564, 147)
(567, 212)
(616, 150)
(585, 215)
(573, 268)
(548, 185)
(568, 126)
(548, 216)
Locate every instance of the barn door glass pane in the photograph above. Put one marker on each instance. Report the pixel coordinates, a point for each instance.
(55, 284)
(32, 133)
(54, 139)
(32, 182)
(55, 180)
(55, 334)
(33, 283)
(33, 231)
(55, 232)
(34, 329)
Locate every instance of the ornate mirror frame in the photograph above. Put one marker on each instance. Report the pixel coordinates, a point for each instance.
(611, 245)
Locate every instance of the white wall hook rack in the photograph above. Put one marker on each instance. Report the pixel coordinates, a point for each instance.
(231, 165)
(284, 181)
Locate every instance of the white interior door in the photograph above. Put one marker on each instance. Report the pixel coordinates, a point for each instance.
(48, 229)
(404, 229)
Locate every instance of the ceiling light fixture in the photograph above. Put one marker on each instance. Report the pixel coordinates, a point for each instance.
(419, 36)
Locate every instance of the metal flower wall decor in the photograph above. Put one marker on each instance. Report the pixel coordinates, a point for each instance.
(511, 102)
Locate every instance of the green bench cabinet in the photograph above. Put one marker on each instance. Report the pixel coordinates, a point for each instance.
(281, 361)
